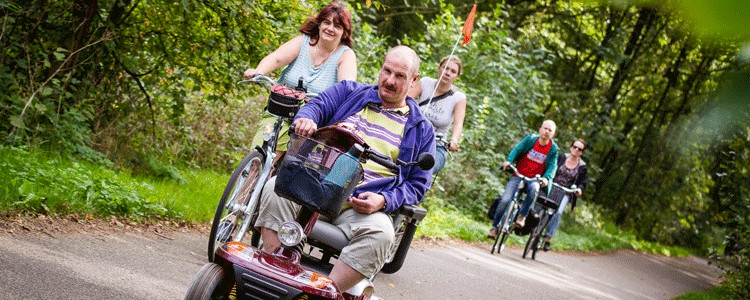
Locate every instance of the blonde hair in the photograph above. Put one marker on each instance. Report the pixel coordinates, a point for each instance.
(454, 59)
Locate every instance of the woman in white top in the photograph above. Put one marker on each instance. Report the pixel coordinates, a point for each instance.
(444, 106)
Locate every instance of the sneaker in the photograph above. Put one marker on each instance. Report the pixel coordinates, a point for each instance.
(493, 233)
(546, 246)
(520, 221)
(224, 231)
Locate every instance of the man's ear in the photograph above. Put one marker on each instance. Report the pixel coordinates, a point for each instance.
(416, 77)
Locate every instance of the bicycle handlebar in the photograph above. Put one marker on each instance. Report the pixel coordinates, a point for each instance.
(263, 79)
(512, 169)
(425, 160)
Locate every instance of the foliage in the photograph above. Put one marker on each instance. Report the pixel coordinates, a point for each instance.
(109, 74)
(505, 89)
(735, 261)
(149, 87)
(37, 181)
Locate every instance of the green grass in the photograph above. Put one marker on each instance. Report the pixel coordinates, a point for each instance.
(40, 182)
(37, 181)
(719, 292)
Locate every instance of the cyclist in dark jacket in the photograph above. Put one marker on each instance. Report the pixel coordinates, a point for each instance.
(571, 170)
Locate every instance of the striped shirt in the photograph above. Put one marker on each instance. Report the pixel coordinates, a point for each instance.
(382, 129)
(317, 79)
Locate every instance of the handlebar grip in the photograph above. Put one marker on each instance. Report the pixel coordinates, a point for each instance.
(384, 162)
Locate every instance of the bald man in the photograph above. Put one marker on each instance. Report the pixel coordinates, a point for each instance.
(534, 155)
(390, 122)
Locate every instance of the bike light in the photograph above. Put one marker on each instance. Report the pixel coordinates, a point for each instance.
(267, 132)
(291, 234)
(313, 279)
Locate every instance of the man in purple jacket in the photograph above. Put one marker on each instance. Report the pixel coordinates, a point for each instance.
(391, 124)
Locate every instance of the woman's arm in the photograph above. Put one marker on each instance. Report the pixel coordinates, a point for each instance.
(283, 56)
(347, 66)
(459, 113)
(415, 91)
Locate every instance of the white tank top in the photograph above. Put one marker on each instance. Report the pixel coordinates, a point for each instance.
(439, 113)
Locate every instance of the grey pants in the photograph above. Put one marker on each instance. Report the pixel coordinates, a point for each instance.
(370, 236)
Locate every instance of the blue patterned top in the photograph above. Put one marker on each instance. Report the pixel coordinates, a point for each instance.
(315, 79)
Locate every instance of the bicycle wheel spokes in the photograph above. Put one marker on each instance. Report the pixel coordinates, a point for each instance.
(236, 204)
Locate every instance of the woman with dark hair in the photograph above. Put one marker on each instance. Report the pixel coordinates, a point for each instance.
(444, 106)
(321, 56)
(571, 170)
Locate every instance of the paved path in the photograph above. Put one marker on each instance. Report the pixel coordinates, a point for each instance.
(143, 264)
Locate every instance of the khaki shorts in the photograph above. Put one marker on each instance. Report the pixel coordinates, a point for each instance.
(370, 236)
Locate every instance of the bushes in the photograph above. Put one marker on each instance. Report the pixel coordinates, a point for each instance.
(735, 262)
(39, 182)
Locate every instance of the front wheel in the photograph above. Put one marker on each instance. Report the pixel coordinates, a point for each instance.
(530, 244)
(503, 229)
(229, 213)
(539, 237)
(207, 284)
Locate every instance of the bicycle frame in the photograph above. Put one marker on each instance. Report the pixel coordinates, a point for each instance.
(534, 242)
(511, 208)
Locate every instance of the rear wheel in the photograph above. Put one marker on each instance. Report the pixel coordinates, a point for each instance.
(208, 284)
(229, 213)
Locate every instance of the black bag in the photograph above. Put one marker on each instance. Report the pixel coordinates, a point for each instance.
(493, 208)
(284, 101)
(531, 221)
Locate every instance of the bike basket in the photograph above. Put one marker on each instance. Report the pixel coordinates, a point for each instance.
(284, 101)
(302, 176)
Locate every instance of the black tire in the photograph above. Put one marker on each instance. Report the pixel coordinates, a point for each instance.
(244, 180)
(508, 227)
(529, 244)
(207, 284)
(398, 257)
(503, 230)
(538, 233)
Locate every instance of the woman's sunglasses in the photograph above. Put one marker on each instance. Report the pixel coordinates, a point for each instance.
(576, 147)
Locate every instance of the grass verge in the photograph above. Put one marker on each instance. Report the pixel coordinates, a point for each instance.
(40, 182)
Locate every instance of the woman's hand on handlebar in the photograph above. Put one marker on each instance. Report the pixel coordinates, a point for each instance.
(306, 127)
(367, 202)
(250, 73)
(505, 165)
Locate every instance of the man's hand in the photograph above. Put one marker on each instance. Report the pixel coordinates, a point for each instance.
(367, 202)
(305, 127)
(505, 165)
(543, 181)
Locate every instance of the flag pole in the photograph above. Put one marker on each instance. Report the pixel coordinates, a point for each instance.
(444, 68)
(466, 32)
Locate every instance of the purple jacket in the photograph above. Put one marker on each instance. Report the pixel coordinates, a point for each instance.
(346, 98)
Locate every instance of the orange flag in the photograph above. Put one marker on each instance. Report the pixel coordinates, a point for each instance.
(468, 26)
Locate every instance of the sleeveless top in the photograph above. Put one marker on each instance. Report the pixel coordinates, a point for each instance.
(315, 79)
(439, 113)
(565, 177)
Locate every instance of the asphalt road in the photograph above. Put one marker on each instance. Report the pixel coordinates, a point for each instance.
(144, 264)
